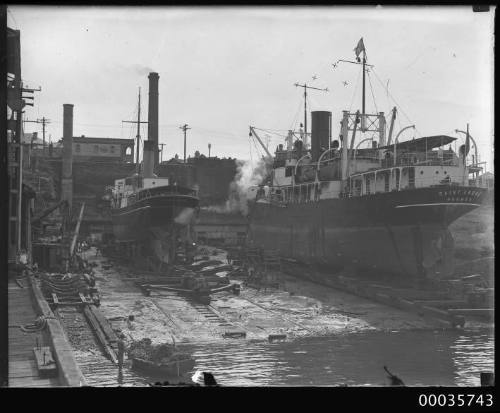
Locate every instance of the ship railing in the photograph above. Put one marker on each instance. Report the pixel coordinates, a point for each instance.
(433, 158)
(300, 193)
(394, 182)
(480, 183)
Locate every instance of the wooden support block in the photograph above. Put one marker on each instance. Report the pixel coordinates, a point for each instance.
(234, 334)
(83, 299)
(45, 363)
(276, 337)
(100, 335)
(441, 303)
(480, 312)
(104, 324)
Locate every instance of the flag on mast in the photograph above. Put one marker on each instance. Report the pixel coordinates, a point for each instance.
(359, 48)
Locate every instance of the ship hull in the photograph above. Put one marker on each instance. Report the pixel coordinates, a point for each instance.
(401, 232)
(150, 216)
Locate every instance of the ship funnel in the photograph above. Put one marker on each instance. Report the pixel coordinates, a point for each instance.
(153, 112)
(321, 132)
(150, 149)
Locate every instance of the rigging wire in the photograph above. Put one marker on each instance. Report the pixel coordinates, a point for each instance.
(355, 90)
(295, 118)
(397, 104)
(371, 89)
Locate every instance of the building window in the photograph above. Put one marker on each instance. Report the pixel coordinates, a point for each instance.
(77, 148)
(128, 151)
(96, 148)
(112, 149)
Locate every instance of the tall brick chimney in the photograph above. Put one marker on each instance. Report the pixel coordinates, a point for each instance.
(153, 113)
(67, 154)
(148, 159)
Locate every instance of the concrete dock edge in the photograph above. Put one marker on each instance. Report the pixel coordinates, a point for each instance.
(69, 372)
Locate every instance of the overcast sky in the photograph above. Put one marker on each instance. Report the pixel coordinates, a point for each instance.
(223, 69)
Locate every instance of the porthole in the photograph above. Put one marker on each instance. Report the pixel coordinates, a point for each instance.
(421, 172)
(437, 172)
(445, 172)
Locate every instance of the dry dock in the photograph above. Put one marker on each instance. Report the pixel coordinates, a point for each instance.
(296, 309)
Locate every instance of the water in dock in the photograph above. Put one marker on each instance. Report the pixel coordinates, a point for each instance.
(419, 358)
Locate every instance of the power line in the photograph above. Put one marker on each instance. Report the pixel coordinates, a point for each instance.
(44, 122)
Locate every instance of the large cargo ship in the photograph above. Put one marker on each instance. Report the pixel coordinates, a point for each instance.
(384, 209)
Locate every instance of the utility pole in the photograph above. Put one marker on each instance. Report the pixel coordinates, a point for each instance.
(44, 122)
(138, 136)
(305, 102)
(184, 128)
(209, 147)
(161, 151)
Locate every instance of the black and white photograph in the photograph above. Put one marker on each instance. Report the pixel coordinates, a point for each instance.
(249, 196)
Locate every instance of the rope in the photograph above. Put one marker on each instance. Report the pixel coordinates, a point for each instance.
(39, 324)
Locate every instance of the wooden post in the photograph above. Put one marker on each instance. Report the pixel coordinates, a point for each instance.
(77, 229)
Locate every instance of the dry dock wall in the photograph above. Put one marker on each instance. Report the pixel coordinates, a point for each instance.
(69, 373)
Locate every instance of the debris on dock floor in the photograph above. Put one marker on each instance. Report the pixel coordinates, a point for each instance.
(297, 308)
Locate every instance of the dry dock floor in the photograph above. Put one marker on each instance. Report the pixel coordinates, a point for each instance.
(298, 308)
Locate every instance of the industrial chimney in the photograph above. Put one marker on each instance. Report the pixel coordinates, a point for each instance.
(153, 113)
(150, 149)
(67, 154)
(321, 132)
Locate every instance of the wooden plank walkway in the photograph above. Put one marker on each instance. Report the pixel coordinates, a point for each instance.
(22, 365)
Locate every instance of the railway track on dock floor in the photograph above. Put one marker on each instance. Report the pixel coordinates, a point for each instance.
(279, 314)
(207, 311)
(97, 369)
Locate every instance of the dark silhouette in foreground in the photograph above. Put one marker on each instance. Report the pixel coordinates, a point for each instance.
(209, 379)
(395, 380)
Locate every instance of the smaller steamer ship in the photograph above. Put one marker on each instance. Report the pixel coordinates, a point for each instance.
(151, 215)
(149, 211)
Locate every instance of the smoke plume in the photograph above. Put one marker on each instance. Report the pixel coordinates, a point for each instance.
(247, 176)
(184, 216)
(141, 70)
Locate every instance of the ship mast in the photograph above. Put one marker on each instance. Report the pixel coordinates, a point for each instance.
(305, 102)
(139, 126)
(138, 136)
(363, 102)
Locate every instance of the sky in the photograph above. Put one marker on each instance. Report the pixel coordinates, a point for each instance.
(223, 69)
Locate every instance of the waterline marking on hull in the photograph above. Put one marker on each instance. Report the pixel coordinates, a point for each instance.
(437, 203)
(133, 210)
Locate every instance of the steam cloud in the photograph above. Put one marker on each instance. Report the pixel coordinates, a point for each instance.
(184, 216)
(141, 70)
(247, 175)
